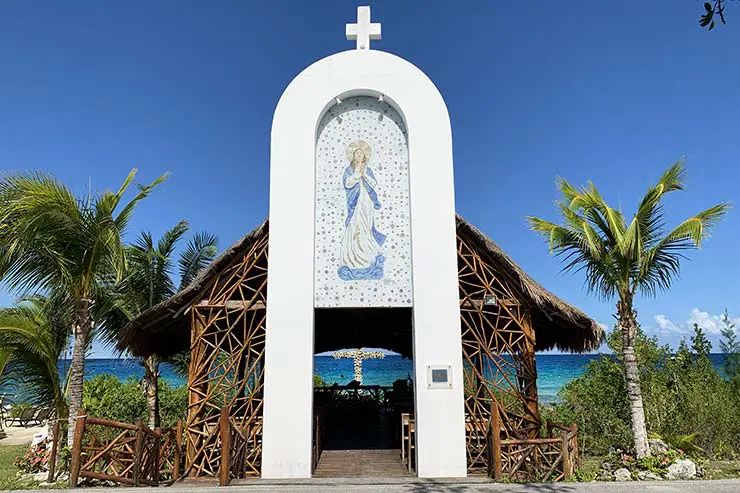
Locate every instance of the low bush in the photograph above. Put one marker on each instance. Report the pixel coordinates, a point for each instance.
(657, 463)
(105, 396)
(683, 396)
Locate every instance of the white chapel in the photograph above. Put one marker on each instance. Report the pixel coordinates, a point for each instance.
(363, 249)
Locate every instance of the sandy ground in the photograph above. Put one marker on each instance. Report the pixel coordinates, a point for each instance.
(20, 435)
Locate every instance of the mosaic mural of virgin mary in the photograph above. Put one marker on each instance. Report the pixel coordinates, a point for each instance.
(361, 255)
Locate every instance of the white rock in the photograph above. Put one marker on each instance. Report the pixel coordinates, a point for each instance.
(41, 476)
(681, 469)
(649, 476)
(658, 446)
(622, 474)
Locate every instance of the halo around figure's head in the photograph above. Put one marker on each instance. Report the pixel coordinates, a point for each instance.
(359, 145)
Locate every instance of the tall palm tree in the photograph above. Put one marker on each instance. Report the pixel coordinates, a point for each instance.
(33, 335)
(53, 241)
(621, 259)
(149, 281)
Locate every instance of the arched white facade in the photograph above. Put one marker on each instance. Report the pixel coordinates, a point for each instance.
(288, 394)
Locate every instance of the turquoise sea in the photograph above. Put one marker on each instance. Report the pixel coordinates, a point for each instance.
(553, 370)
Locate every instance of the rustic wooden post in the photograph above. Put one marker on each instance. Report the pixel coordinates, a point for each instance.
(54, 451)
(177, 461)
(225, 446)
(496, 442)
(138, 450)
(567, 466)
(74, 469)
(197, 392)
(574, 451)
(529, 368)
(489, 448)
(317, 442)
(157, 452)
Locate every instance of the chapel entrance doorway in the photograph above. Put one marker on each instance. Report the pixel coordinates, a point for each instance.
(362, 394)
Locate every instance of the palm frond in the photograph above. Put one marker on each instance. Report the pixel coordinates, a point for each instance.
(696, 228)
(649, 218)
(180, 364)
(166, 244)
(30, 336)
(123, 217)
(199, 252)
(620, 258)
(674, 177)
(660, 264)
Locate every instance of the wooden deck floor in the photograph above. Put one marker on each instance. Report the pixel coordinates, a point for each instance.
(361, 463)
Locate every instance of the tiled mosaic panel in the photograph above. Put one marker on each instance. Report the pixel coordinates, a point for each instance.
(362, 118)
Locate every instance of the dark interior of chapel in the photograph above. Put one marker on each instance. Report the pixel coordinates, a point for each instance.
(351, 416)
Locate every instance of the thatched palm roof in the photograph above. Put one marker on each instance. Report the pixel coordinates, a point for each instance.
(164, 329)
(556, 323)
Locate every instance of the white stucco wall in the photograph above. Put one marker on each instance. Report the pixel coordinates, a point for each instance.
(289, 339)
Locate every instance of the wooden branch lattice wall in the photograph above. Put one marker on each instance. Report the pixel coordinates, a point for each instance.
(227, 366)
(498, 356)
(227, 362)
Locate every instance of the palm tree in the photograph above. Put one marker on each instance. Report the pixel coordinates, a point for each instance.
(33, 335)
(149, 281)
(53, 241)
(621, 259)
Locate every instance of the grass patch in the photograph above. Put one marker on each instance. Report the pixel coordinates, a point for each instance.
(8, 479)
(722, 469)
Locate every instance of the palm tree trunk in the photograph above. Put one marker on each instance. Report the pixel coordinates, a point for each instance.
(150, 384)
(82, 326)
(628, 328)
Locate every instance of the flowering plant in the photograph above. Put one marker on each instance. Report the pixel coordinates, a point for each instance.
(36, 459)
(657, 463)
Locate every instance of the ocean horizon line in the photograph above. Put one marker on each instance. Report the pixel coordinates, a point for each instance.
(329, 354)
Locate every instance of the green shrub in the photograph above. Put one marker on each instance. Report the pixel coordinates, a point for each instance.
(105, 396)
(173, 403)
(683, 396)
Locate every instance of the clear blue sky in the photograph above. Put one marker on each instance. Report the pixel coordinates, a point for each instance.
(613, 92)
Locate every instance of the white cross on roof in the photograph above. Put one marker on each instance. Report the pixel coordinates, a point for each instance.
(363, 30)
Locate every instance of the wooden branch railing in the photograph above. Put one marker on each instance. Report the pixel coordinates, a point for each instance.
(123, 453)
(568, 444)
(553, 458)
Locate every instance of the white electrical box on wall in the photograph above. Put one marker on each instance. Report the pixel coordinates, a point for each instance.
(439, 377)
